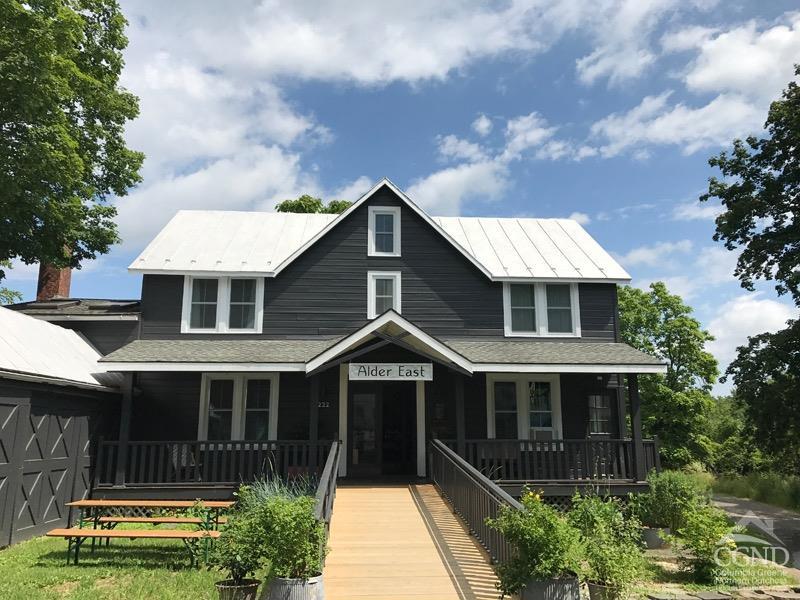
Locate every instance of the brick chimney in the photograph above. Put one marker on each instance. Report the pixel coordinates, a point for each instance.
(53, 282)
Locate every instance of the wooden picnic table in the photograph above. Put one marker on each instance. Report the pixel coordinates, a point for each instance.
(214, 504)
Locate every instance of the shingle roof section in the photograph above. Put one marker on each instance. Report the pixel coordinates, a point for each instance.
(94, 307)
(219, 351)
(550, 352)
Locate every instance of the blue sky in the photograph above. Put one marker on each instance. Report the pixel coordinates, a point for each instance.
(606, 111)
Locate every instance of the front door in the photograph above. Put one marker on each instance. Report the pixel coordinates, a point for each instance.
(382, 426)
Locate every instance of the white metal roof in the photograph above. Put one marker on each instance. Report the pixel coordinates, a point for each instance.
(512, 248)
(217, 241)
(264, 243)
(35, 349)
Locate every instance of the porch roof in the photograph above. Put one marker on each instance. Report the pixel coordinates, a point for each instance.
(310, 355)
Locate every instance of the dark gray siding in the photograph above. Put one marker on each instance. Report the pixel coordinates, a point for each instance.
(324, 291)
(106, 336)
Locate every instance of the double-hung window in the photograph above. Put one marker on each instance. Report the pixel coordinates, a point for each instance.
(239, 407)
(599, 414)
(523, 406)
(541, 309)
(384, 231)
(383, 292)
(222, 304)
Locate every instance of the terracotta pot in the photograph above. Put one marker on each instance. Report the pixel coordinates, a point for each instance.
(652, 537)
(246, 590)
(563, 588)
(294, 589)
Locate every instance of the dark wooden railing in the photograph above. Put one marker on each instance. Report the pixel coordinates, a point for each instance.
(326, 488)
(473, 496)
(556, 460)
(195, 462)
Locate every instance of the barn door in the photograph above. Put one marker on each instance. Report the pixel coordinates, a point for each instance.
(12, 413)
(52, 442)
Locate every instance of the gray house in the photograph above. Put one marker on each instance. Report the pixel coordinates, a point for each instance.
(264, 337)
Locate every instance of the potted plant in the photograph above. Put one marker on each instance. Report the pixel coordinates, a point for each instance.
(295, 548)
(548, 551)
(239, 551)
(613, 556)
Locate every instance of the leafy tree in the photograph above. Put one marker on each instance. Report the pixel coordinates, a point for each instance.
(675, 406)
(8, 296)
(737, 452)
(310, 204)
(62, 114)
(760, 195)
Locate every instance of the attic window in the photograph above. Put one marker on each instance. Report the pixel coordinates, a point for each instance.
(222, 304)
(384, 231)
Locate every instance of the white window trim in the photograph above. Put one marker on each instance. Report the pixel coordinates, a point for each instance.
(398, 295)
(239, 389)
(540, 297)
(523, 408)
(393, 210)
(223, 305)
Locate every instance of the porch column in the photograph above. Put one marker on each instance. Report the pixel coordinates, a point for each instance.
(313, 414)
(622, 422)
(124, 437)
(640, 470)
(461, 427)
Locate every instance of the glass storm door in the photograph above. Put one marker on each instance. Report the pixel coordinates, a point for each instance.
(365, 451)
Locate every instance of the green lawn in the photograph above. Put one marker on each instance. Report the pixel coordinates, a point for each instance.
(126, 570)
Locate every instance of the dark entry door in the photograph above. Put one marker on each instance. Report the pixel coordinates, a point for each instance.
(382, 426)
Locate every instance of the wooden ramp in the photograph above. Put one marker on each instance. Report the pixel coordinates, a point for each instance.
(402, 541)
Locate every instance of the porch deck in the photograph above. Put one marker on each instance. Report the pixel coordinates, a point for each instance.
(403, 541)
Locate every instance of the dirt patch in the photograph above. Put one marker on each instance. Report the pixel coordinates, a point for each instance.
(108, 583)
(65, 588)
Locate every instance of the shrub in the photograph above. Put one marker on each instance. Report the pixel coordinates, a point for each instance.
(671, 496)
(240, 548)
(547, 545)
(773, 488)
(259, 490)
(706, 534)
(612, 542)
(294, 539)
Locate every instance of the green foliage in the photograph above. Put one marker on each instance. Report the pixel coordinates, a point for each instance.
(612, 542)
(759, 189)
(293, 539)
(8, 296)
(251, 495)
(62, 117)
(672, 495)
(767, 377)
(310, 204)
(675, 406)
(706, 534)
(240, 548)
(730, 428)
(772, 488)
(547, 545)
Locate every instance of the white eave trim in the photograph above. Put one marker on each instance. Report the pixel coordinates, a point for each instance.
(567, 368)
(374, 325)
(57, 318)
(509, 279)
(211, 367)
(19, 376)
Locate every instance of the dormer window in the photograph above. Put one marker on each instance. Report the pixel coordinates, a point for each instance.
(222, 304)
(384, 231)
(541, 310)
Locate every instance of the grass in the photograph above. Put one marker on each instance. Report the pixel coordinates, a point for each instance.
(771, 488)
(126, 570)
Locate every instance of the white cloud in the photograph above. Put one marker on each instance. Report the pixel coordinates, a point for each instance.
(482, 125)
(687, 38)
(747, 61)
(743, 316)
(525, 132)
(655, 122)
(354, 190)
(696, 211)
(452, 147)
(443, 192)
(656, 254)
(581, 218)
(680, 285)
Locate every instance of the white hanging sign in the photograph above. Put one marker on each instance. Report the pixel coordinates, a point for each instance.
(391, 371)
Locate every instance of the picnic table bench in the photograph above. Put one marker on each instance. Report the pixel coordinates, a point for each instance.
(76, 536)
(103, 524)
